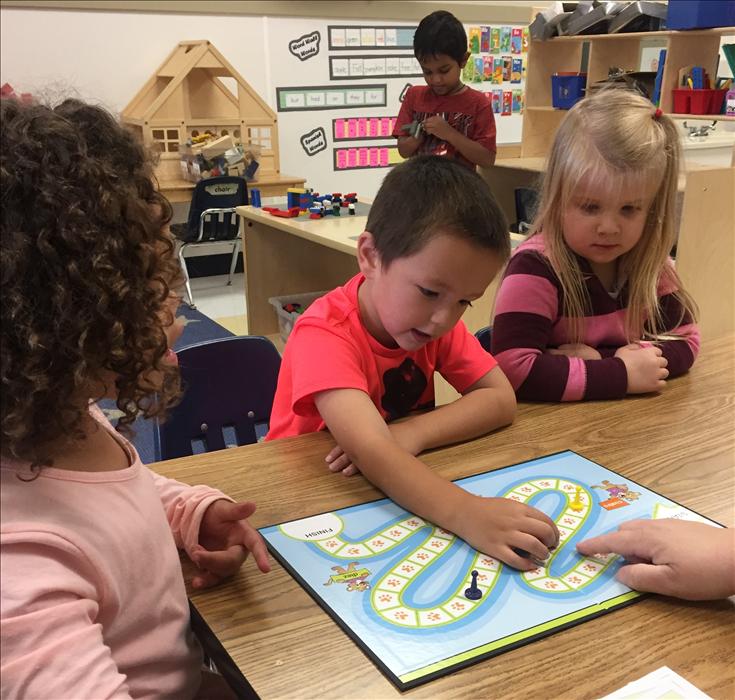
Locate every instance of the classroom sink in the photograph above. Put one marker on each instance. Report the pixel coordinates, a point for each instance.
(715, 149)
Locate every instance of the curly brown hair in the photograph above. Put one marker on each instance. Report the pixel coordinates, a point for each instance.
(87, 269)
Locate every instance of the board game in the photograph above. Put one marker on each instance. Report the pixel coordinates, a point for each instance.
(420, 602)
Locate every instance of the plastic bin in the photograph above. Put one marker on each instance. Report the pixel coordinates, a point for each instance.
(286, 319)
(687, 101)
(567, 89)
(700, 14)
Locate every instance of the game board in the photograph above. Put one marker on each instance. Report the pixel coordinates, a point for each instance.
(397, 584)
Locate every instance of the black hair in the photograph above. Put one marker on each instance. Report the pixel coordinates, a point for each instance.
(428, 195)
(440, 33)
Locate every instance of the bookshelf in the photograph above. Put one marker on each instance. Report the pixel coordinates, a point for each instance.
(683, 48)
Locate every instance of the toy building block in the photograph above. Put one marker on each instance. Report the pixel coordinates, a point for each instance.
(293, 196)
(351, 208)
(218, 147)
(254, 197)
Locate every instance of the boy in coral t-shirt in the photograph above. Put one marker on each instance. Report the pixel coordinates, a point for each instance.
(366, 353)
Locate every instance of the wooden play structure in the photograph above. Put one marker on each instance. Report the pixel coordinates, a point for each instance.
(187, 97)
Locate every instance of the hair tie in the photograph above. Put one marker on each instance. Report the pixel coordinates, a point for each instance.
(657, 114)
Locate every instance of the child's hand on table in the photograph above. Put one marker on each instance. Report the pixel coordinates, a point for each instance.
(402, 432)
(679, 558)
(498, 526)
(226, 539)
(646, 367)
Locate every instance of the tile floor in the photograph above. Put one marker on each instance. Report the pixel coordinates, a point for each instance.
(220, 302)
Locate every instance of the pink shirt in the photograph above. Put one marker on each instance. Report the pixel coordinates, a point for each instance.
(93, 600)
(329, 348)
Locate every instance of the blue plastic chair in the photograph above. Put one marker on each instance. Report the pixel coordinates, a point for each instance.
(229, 385)
(212, 220)
(484, 335)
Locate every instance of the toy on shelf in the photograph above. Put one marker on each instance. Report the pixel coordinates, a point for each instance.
(186, 106)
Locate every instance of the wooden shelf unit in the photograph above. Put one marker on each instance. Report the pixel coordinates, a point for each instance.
(564, 54)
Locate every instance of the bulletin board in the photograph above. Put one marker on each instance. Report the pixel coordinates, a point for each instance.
(337, 87)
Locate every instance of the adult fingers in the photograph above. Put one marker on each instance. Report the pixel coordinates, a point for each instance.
(650, 578)
(626, 542)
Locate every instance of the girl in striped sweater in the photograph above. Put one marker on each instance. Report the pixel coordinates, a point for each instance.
(590, 306)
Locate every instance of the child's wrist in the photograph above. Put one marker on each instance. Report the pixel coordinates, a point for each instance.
(458, 513)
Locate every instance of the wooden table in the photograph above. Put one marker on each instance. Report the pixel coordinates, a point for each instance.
(177, 190)
(293, 256)
(680, 443)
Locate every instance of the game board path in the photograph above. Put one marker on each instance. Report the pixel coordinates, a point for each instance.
(388, 592)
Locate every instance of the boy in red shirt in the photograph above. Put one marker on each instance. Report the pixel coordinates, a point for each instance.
(366, 353)
(456, 121)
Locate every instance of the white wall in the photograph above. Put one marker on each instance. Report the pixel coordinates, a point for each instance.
(107, 56)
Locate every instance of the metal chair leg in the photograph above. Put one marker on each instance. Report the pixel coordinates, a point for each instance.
(182, 260)
(233, 262)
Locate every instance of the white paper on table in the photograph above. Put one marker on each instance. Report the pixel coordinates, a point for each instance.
(663, 684)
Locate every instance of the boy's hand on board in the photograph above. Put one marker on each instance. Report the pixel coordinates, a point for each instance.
(646, 367)
(501, 527)
(226, 539)
(580, 350)
(689, 560)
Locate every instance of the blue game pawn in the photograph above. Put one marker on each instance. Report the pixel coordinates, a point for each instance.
(473, 592)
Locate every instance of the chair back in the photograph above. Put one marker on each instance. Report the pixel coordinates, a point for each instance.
(484, 335)
(223, 192)
(229, 385)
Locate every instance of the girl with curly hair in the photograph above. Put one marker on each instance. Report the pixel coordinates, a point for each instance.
(93, 600)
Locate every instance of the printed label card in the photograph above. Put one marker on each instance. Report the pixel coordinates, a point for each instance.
(479, 69)
(498, 70)
(517, 71)
(524, 39)
(495, 40)
(517, 101)
(485, 40)
(487, 72)
(474, 39)
(507, 103)
(516, 40)
(497, 100)
(505, 38)
(507, 68)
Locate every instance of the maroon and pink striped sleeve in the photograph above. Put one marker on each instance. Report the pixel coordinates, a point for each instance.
(526, 309)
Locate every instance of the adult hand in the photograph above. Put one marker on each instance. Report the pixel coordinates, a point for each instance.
(689, 560)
